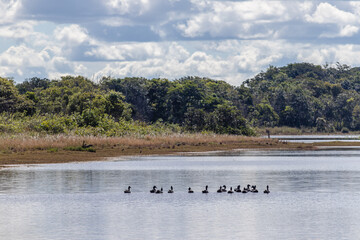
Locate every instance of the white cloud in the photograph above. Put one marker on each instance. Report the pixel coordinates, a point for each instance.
(355, 5)
(343, 53)
(22, 60)
(21, 56)
(346, 23)
(25, 62)
(327, 13)
(122, 7)
(126, 51)
(74, 40)
(200, 63)
(245, 19)
(348, 31)
(116, 21)
(198, 37)
(233, 60)
(18, 30)
(73, 34)
(138, 51)
(9, 10)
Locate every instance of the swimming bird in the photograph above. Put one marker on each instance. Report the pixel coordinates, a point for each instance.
(248, 188)
(224, 188)
(190, 190)
(153, 190)
(171, 190)
(244, 190)
(127, 190)
(219, 190)
(206, 189)
(253, 189)
(230, 191)
(237, 189)
(159, 191)
(267, 191)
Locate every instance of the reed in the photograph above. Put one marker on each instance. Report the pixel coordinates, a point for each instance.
(23, 142)
(62, 148)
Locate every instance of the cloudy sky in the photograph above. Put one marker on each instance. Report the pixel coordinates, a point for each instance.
(228, 40)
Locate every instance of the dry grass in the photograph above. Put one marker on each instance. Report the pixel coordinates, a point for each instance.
(282, 131)
(22, 143)
(24, 149)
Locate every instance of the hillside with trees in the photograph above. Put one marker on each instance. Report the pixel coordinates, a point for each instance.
(306, 95)
(300, 95)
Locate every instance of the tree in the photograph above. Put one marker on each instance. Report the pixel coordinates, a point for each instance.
(321, 124)
(116, 107)
(266, 116)
(158, 94)
(33, 84)
(181, 96)
(135, 91)
(196, 119)
(227, 119)
(355, 124)
(9, 96)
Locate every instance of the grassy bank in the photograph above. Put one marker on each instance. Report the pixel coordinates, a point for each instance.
(23, 149)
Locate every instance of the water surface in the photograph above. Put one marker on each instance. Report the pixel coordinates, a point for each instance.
(314, 195)
(317, 138)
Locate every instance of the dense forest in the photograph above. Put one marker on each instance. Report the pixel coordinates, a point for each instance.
(300, 95)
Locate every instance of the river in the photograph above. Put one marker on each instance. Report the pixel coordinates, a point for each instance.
(314, 195)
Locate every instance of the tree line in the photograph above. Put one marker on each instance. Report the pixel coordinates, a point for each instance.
(296, 95)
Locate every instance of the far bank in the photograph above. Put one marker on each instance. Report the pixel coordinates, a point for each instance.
(61, 149)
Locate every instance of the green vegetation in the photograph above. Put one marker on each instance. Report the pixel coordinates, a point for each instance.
(304, 95)
(80, 149)
(119, 107)
(296, 96)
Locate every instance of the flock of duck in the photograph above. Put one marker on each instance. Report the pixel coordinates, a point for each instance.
(220, 190)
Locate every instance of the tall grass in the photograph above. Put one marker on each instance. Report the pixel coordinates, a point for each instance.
(286, 131)
(23, 142)
(53, 132)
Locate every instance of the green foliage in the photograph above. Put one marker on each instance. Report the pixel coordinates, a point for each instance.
(52, 126)
(33, 84)
(321, 124)
(135, 91)
(53, 150)
(80, 149)
(356, 118)
(303, 93)
(265, 115)
(158, 96)
(300, 95)
(10, 99)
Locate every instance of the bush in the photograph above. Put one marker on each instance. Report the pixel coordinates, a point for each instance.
(80, 149)
(52, 126)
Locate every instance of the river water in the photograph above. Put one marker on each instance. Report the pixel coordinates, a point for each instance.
(314, 195)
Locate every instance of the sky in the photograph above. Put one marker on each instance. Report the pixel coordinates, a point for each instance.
(225, 40)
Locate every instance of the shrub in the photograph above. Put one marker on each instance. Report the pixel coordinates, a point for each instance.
(52, 126)
(80, 149)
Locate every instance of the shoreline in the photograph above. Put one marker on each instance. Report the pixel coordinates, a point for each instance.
(63, 149)
(59, 151)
